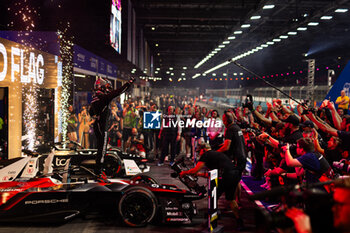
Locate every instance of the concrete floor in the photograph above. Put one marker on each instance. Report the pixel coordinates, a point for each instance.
(100, 223)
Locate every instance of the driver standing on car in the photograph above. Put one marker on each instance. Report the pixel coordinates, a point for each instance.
(227, 170)
(103, 95)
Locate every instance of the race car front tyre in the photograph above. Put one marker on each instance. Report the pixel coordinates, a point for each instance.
(137, 206)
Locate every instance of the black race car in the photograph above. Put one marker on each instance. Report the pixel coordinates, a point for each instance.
(138, 201)
(117, 163)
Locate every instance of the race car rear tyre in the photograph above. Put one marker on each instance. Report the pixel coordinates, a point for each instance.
(143, 179)
(137, 206)
(112, 166)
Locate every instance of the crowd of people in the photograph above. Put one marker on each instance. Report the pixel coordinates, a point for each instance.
(285, 146)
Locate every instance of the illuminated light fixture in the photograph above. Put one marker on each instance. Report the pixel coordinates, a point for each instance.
(221, 46)
(170, 79)
(245, 26)
(214, 74)
(259, 47)
(231, 38)
(200, 63)
(240, 73)
(158, 54)
(157, 68)
(276, 40)
(255, 50)
(226, 42)
(157, 45)
(224, 74)
(171, 68)
(185, 68)
(268, 7)
(302, 29)
(153, 28)
(184, 79)
(145, 71)
(234, 73)
(327, 17)
(264, 45)
(204, 74)
(255, 17)
(196, 75)
(156, 72)
(313, 24)
(292, 33)
(217, 49)
(168, 72)
(306, 15)
(283, 37)
(218, 67)
(183, 74)
(214, 52)
(341, 10)
(270, 43)
(80, 75)
(172, 74)
(237, 32)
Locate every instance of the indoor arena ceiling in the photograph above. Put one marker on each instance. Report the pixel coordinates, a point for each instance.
(202, 34)
(182, 33)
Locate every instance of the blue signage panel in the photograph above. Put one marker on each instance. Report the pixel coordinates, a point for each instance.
(342, 83)
(86, 60)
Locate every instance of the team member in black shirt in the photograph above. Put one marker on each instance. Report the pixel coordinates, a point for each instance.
(233, 146)
(230, 175)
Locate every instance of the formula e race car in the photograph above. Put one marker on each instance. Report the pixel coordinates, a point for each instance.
(116, 164)
(138, 201)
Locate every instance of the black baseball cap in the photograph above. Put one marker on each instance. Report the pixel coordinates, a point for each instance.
(293, 120)
(309, 124)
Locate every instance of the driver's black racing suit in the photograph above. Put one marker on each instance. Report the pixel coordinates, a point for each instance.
(100, 109)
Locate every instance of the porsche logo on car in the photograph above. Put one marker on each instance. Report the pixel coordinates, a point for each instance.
(51, 201)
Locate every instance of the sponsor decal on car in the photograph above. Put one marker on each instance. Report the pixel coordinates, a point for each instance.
(174, 213)
(51, 201)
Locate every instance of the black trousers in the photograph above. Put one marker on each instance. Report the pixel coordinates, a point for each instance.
(168, 139)
(148, 139)
(101, 139)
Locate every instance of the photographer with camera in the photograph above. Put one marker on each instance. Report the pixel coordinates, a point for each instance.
(115, 134)
(135, 143)
(230, 175)
(315, 166)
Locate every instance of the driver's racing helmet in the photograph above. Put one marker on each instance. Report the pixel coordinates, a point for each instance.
(102, 86)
